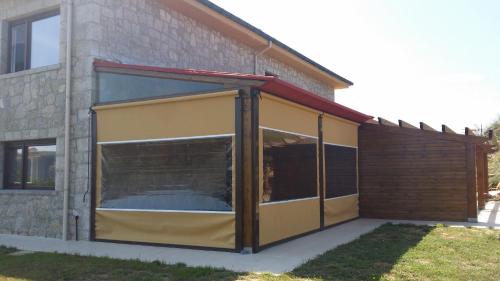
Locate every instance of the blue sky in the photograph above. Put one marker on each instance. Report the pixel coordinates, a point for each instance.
(428, 60)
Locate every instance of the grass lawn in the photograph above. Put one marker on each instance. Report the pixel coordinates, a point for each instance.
(391, 252)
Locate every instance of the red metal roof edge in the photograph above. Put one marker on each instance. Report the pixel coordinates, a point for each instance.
(296, 94)
(272, 85)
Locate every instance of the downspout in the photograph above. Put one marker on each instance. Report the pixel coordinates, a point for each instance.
(67, 118)
(269, 46)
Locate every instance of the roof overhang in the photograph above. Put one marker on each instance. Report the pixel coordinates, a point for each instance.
(298, 95)
(268, 84)
(231, 26)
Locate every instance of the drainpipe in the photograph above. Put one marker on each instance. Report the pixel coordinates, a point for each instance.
(269, 46)
(67, 118)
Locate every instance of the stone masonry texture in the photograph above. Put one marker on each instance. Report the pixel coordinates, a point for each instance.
(32, 102)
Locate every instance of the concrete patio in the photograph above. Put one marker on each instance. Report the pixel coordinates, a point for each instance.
(489, 217)
(278, 259)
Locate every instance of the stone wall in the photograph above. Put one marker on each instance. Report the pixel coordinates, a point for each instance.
(35, 213)
(85, 18)
(149, 33)
(294, 76)
(31, 107)
(32, 103)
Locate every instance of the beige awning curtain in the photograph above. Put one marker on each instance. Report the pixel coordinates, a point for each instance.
(195, 126)
(201, 115)
(296, 125)
(288, 218)
(175, 228)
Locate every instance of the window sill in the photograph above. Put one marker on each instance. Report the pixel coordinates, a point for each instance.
(27, 192)
(30, 71)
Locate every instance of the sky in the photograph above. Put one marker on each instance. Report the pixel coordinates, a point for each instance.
(436, 61)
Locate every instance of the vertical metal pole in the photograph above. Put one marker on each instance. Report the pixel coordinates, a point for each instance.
(321, 173)
(67, 119)
(255, 94)
(238, 145)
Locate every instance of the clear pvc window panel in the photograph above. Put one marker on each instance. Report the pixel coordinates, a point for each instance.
(113, 87)
(175, 175)
(289, 166)
(340, 171)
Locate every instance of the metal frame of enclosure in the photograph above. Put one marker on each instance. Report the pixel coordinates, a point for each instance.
(217, 160)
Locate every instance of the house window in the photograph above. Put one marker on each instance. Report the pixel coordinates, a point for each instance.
(340, 171)
(34, 42)
(289, 166)
(180, 175)
(30, 165)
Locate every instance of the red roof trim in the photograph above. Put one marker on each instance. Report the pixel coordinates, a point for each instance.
(293, 93)
(272, 85)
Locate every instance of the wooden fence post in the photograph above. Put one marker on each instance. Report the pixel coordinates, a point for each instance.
(481, 189)
(471, 182)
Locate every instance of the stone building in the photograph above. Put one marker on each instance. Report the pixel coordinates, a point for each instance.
(35, 40)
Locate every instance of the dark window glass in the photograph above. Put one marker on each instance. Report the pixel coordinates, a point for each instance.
(14, 166)
(174, 175)
(45, 42)
(34, 42)
(30, 165)
(18, 35)
(41, 166)
(340, 171)
(290, 166)
(122, 87)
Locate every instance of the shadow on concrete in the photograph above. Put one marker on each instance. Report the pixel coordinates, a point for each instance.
(367, 258)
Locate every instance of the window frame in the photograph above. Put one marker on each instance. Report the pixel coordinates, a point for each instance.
(24, 145)
(28, 21)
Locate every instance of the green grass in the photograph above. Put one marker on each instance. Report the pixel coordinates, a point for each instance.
(391, 252)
